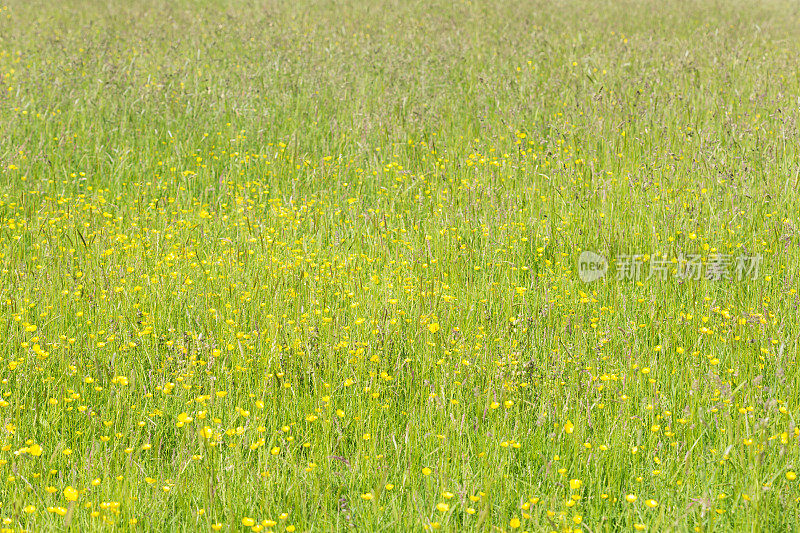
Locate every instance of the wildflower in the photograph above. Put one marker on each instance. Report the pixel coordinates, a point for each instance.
(70, 494)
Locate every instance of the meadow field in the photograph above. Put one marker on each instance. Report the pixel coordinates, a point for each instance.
(399, 266)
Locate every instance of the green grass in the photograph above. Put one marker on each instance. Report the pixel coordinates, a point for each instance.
(342, 238)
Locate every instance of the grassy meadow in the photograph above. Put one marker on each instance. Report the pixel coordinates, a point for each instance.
(313, 265)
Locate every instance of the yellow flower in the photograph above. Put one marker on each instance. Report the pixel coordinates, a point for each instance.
(569, 427)
(514, 523)
(630, 498)
(35, 450)
(426, 471)
(183, 418)
(433, 327)
(791, 476)
(247, 521)
(651, 503)
(442, 507)
(368, 496)
(70, 494)
(575, 484)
